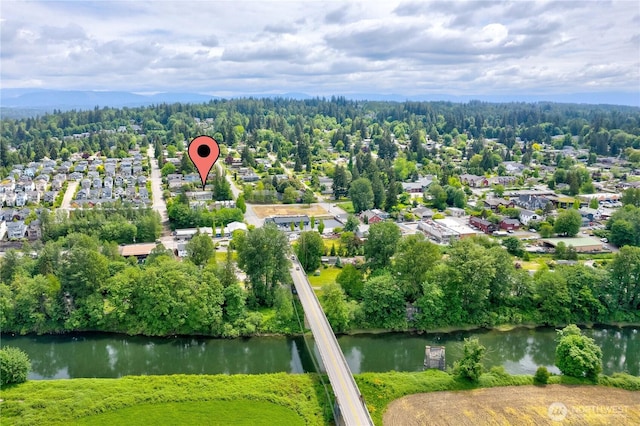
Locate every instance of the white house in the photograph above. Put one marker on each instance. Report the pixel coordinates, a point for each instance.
(527, 216)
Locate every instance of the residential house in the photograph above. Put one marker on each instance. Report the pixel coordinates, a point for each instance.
(25, 184)
(16, 230)
(10, 199)
(232, 227)
(503, 180)
(181, 251)
(373, 216)
(589, 215)
(21, 199)
(362, 231)
(8, 184)
(532, 202)
(85, 184)
(419, 186)
(508, 224)
(423, 212)
(456, 212)
(527, 216)
(250, 177)
(33, 197)
(3, 229)
(482, 224)
(495, 203)
(49, 196)
(200, 195)
(326, 185)
(474, 181)
(57, 182)
(34, 230)
(513, 167)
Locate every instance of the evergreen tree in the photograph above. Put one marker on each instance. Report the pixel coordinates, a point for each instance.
(378, 191)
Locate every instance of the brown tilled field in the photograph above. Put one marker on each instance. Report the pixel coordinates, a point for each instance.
(518, 405)
(288, 210)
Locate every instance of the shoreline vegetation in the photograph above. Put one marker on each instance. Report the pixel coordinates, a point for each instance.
(96, 401)
(360, 331)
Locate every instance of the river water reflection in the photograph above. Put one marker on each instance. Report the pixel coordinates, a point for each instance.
(521, 351)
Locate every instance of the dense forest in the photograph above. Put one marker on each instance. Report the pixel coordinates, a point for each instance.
(300, 129)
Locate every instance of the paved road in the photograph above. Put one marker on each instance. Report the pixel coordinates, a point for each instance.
(66, 200)
(159, 204)
(249, 216)
(354, 411)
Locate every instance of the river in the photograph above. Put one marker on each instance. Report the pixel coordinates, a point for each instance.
(520, 351)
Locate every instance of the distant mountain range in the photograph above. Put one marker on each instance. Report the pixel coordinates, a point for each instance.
(29, 102)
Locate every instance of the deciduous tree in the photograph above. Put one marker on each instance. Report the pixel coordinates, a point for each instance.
(568, 223)
(200, 249)
(310, 249)
(577, 355)
(263, 255)
(361, 194)
(381, 244)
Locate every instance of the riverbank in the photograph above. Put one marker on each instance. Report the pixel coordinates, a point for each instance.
(500, 327)
(294, 399)
(520, 351)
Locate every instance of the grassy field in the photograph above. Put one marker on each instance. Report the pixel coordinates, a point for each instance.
(511, 405)
(327, 276)
(347, 206)
(289, 210)
(293, 398)
(221, 256)
(254, 413)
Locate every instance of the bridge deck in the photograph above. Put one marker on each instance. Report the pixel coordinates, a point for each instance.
(352, 407)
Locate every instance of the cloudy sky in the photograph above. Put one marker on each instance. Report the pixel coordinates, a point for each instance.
(323, 48)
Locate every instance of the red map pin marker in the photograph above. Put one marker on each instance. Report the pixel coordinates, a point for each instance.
(204, 152)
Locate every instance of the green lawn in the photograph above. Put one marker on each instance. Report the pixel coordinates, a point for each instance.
(347, 206)
(288, 398)
(221, 256)
(327, 276)
(199, 413)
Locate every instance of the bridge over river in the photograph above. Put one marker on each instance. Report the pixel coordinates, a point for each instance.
(353, 410)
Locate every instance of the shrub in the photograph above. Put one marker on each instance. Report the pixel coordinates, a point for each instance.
(542, 376)
(14, 366)
(470, 366)
(578, 355)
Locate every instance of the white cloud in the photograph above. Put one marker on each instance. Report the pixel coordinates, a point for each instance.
(473, 47)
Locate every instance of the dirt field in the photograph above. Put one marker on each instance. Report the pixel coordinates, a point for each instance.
(271, 210)
(518, 405)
